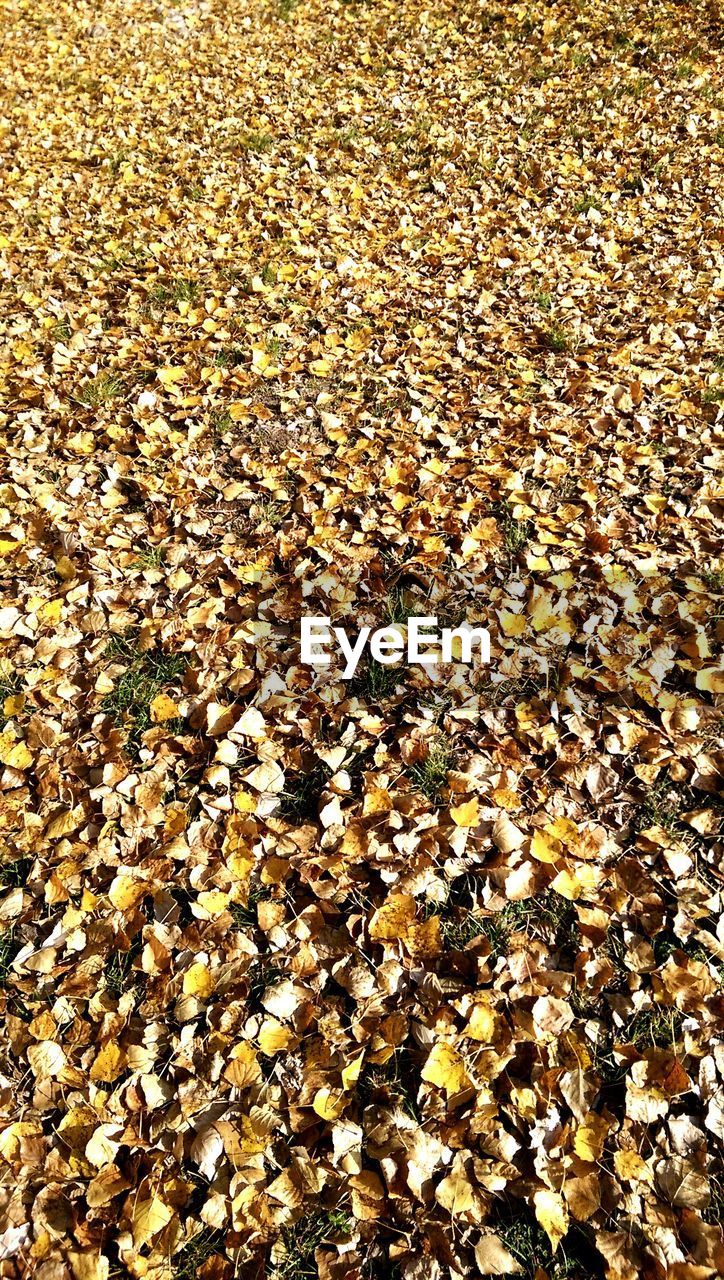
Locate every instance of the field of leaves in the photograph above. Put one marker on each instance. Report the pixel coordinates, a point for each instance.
(364, 310)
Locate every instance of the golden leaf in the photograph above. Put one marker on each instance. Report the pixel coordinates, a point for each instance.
(109, 1063)
(466, 814)
(552, 1214)
(393, 917)
(163, 708)
(445, 1068)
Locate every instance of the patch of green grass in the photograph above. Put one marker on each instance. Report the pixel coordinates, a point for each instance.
(662, 806)
(271, 513)
(460, 926)
(299, 802)
(10, 684)
(114, 262)
(115, 159)
(261, 975)
(549, 917)
(229, 358)
(206, 1244)
(657, 1027)
(556, 339)
(286, 8)
(8, 951)
(176, 289)
(221, 422)
(544, 300)
(149, 556)
(714, 579)
(394, 1082)
(255, 143)
(517, 688)
(633, 185)
(15, 873)
(303, 1238)
(274, 346)
(430, 775)
(399, 607)
(61, 331)
(118, 973)
(667, 942)
(523, 1236)
(713, 395)
(146, 675)
(586, 202)
(378, 681)
(516, 533)
(101, 389)
(244, 914)
(714, 1212)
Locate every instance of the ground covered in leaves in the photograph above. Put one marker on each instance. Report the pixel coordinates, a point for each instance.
(361, 309)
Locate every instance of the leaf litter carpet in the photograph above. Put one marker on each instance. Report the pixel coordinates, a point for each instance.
(363, 310)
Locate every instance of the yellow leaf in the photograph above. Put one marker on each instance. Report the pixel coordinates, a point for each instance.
(424, 940)
(329, 1103)
(63, 822)
(494, 1259)
(320, 368)
(51, 611)
(171, 374)
(482, 1024)
(211, 903)
(392, 919)
(710, 680)
(590, 1138)
(198, 981)
(579, 882)
(127, 891)
(565, 830)
(243, 1067)
(631, 1166)
(109, 1064)
(445, 1069)
(14, 754)
(458, 1194)
(65, 568)
(350, 1073)
(13, 705)
(149, 1217)
(552, 1214)
(466, 814)
(506, 799)
(163, 708)
(545, 848)
(274, 1037)
(244, 802)
(568, 885)
(89, 1265)
(513, 624)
